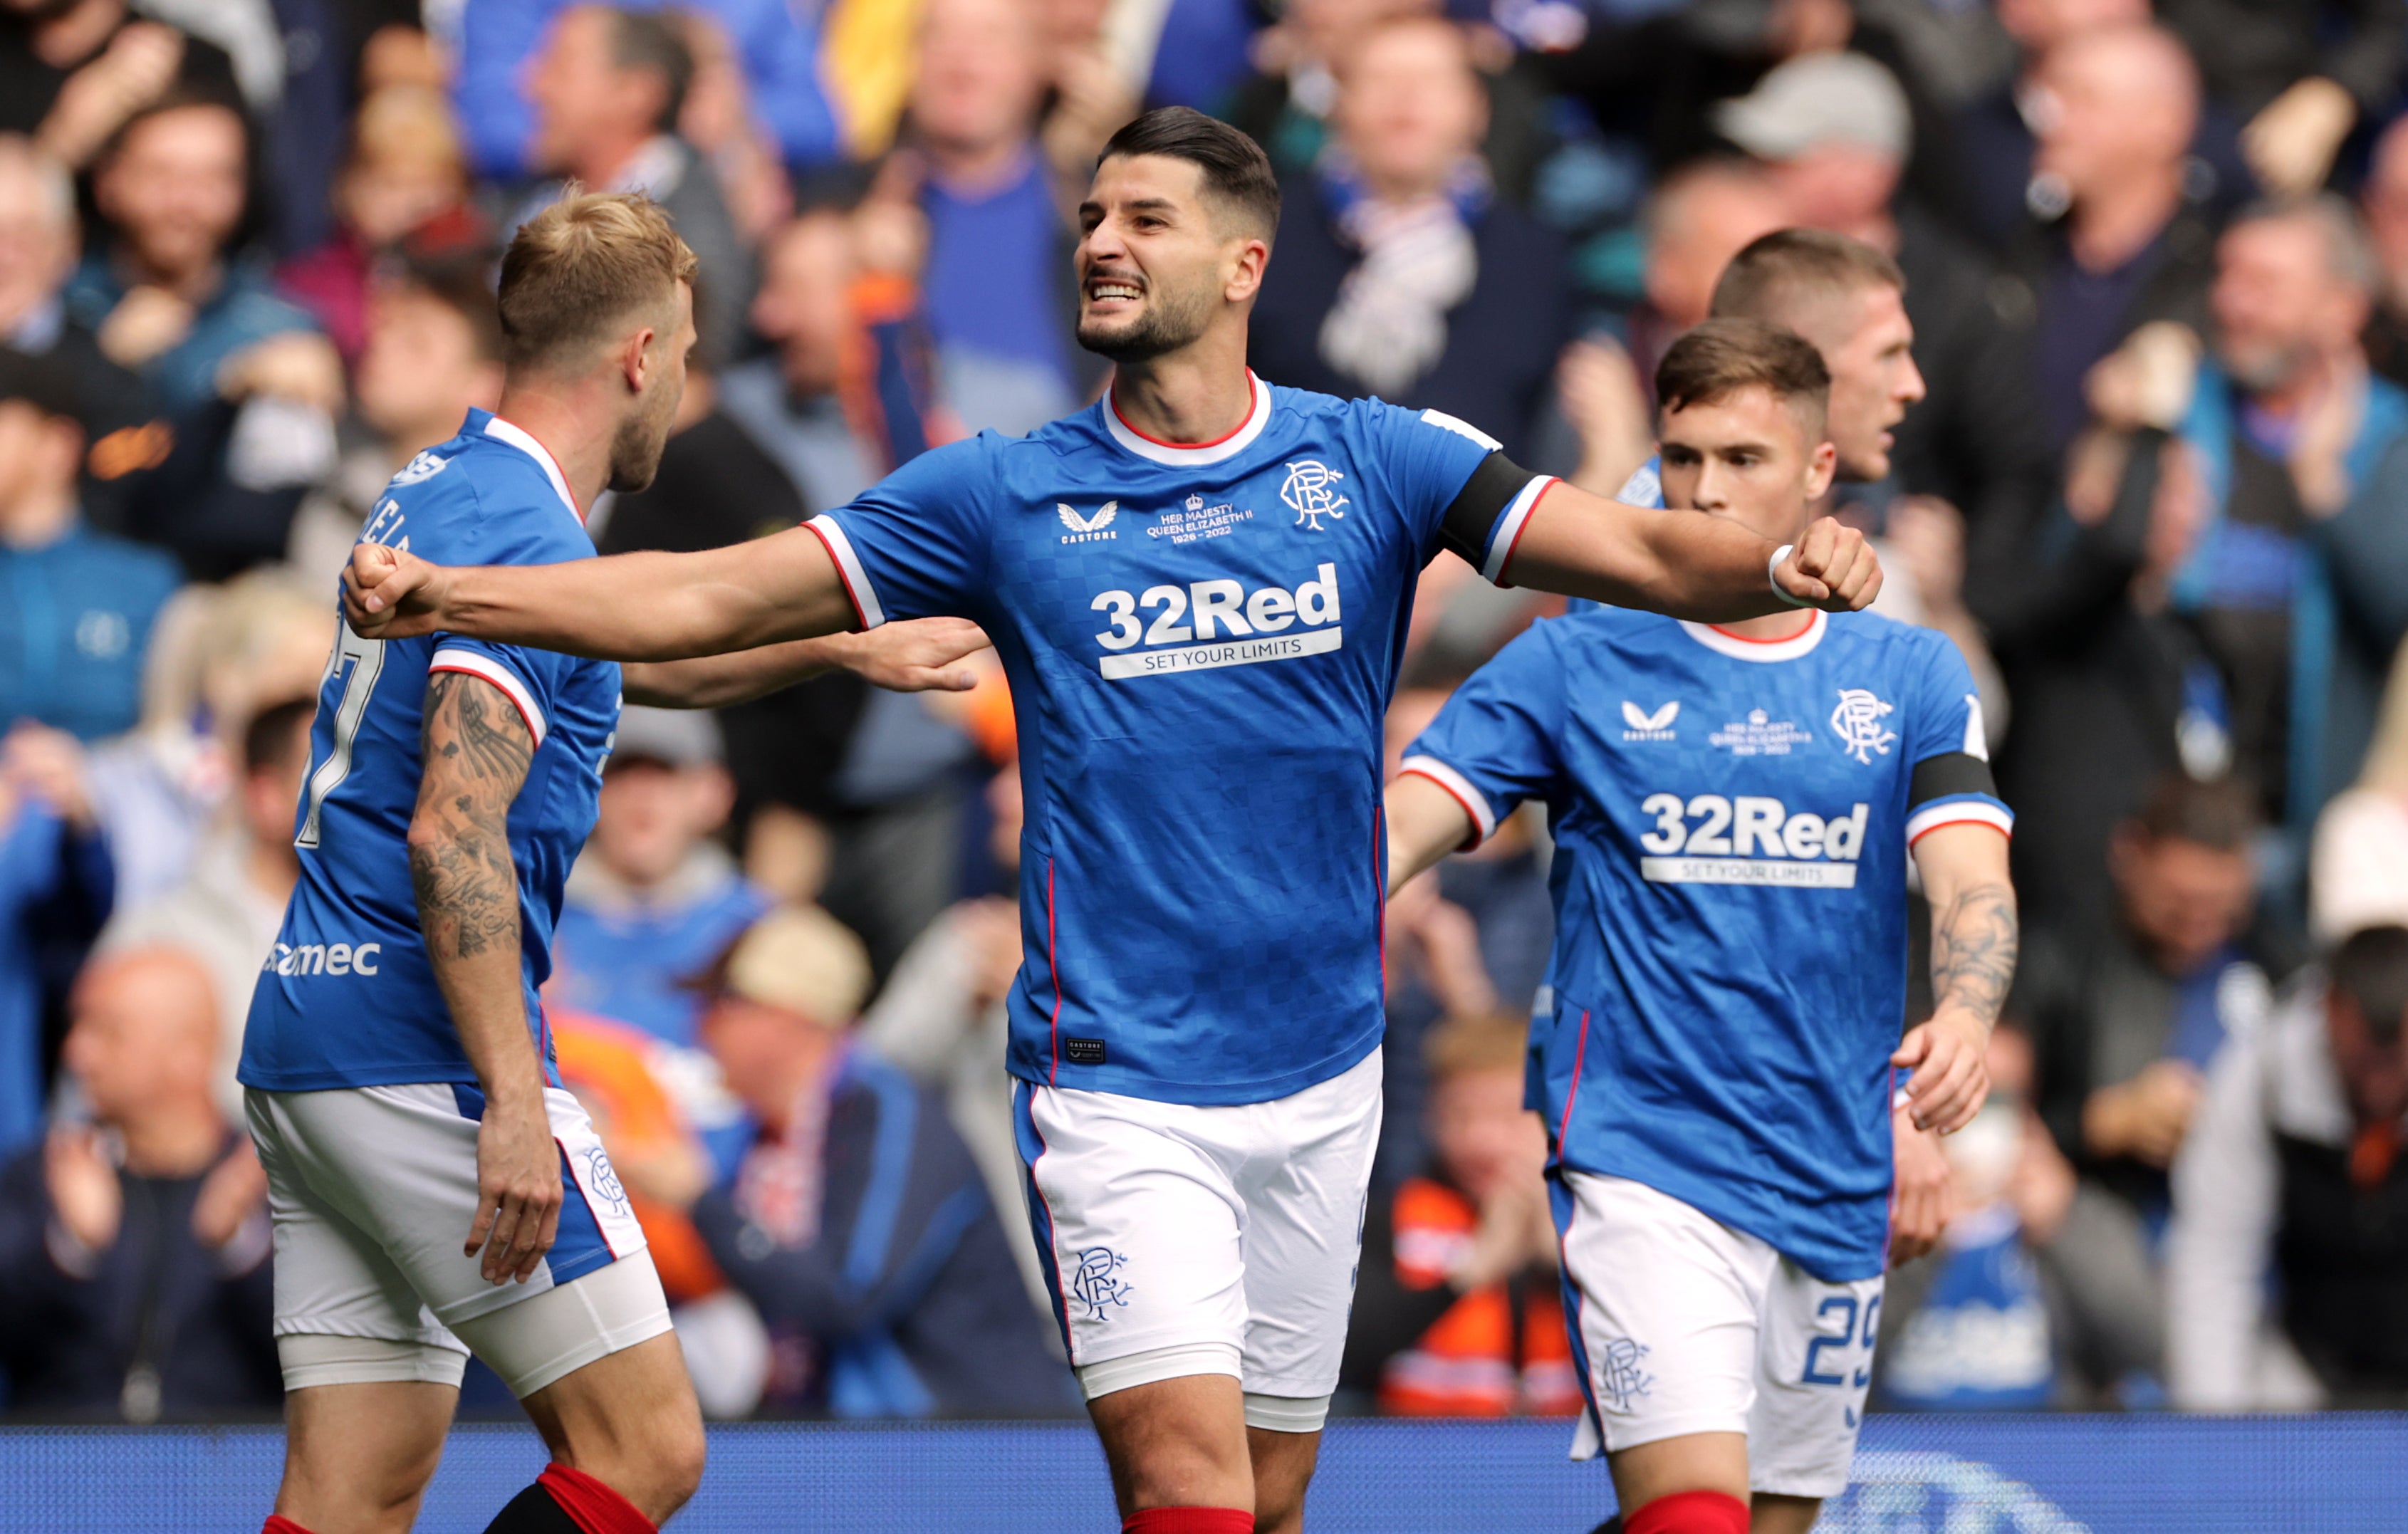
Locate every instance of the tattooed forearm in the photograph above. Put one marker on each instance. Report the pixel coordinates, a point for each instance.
(1973, 942)
(476, 752)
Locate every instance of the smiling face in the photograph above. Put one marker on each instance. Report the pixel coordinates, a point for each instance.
(174, 189)
(1161, 261)
(1751, 456)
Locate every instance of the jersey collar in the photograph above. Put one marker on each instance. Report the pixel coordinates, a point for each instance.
(516, 436)
(1723, 642)
(1188, 454)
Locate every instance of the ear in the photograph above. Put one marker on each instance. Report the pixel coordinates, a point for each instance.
(1822, 465)
(1245, 278)
(635, 359)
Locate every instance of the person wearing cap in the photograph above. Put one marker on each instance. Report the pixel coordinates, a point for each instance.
(1835, 132)
(855, 1220)
(654, 897)
(82, 602)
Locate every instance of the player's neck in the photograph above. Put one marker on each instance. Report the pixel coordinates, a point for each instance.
(1198, 394)
(575, 433)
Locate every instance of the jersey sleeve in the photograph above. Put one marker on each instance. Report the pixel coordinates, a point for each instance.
(449, 528)
(1494, 742)
(916, 544)
(1461, 490)
(1951, 783)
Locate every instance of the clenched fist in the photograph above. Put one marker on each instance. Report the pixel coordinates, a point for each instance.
(1832, 567)
(392, 594)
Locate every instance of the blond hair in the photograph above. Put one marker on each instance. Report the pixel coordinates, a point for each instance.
(583, 268)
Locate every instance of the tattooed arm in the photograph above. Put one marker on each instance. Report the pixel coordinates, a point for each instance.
(477, 750)
(1973, 938)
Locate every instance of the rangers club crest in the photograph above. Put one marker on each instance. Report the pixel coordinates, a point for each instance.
(1308, 494)
(1094, 1285)
(1857, 722)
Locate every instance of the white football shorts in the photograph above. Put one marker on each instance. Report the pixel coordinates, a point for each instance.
(1681, 1325)
(371, 1191)
(1223, 1239)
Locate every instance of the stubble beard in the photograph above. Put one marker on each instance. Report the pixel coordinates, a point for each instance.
(1163, 326)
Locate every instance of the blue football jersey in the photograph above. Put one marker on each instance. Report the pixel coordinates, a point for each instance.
(1732, 820)
(348, 997)
(1201, 642)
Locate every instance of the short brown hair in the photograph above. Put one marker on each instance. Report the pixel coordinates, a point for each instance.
(1477, 1041)
(1234, 167)
(583, 266)
(1719, 358)
(1776, 275)
(2221, 815)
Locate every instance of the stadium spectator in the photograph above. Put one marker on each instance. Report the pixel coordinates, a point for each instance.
(855, 1222)
(2286, 1275)
(653, 899)
(2383, 200)
(1456, 1307)
(2357, 871)
(226, 912)
(1400, 273)
(39, 240)
(71, 74)
(2128, 1019)
(1833, 130)
(779, 46)
(607, 88)
(134, 1249)
(2125, 238)
(250, 387)
(2302, 72)
(56, 887)
(433, 351)
(1695, 220)
(404, 187)
(2010, 1312)
(84, 602)
(997, 284)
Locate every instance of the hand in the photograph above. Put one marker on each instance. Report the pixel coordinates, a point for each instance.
(2146, 1117)
(1509, 1213)
(1918, 1199)
(517, 1190)
(1597, 387)
(1950, 1058)
(1927, 535)
(2148, 380)
(921, 655)
(2290, 143)
(2319, 460)
(300, 366)
(1832, 567)
(144, 323)
(84, 1190)
(48, 765)
(2043, 1186)
(135, 70)
(234, 1190)
(392, 594)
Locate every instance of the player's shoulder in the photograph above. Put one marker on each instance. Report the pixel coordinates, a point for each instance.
(1876, 636)
(480, 495)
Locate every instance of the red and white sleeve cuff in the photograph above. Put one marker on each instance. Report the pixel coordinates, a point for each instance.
(848, 568)
(476, 663)
(1475, 804)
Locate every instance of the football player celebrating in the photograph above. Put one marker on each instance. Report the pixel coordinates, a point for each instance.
(1734, 807)
(434, 1189)
(1198, 587)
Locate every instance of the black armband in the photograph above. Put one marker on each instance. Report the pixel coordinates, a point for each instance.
(1486, 514)
(1950, 773)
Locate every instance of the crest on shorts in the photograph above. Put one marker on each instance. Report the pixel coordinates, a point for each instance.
(602, 1181)
(1093, 1285)
(1619, 1378)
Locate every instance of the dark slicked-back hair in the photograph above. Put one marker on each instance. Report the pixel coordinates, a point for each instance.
(2371, 969)
(654, 42)
(2221, 815)
(1777, 275)
(1236, 170)
(1719, 358)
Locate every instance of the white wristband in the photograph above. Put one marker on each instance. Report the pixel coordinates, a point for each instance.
(1774, 581)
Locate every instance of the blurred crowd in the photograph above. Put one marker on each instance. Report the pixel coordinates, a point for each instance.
(2149, 469)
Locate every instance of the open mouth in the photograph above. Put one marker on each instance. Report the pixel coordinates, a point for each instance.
(1103, 292)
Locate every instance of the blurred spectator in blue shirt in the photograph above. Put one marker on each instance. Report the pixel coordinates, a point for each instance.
(134, 1249)
(855, 1222)
(607, 88)
(1399, 272)
(75, 622)
(55, 889)
(653, 899)
(998, 285)
(777, 43)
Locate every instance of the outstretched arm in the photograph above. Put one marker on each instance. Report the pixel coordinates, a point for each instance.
(1974, 935)
(1686, 564)
(642, 606)
(477, 752)
(918, 655)
(1425, 824)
